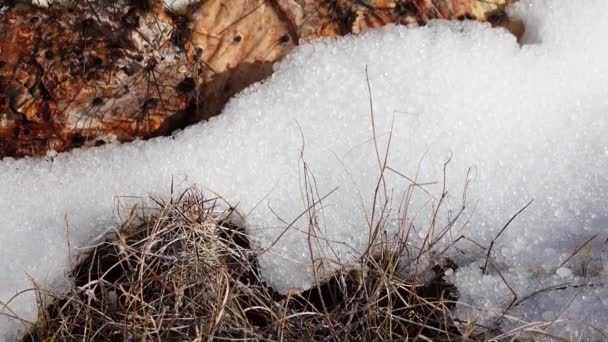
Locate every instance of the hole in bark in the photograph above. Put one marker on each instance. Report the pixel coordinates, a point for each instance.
(187, 85)
(88, 27)
(46, 96)
(34, 20)
(77, 140)
(237, 39)
(49, 55)
(131, 19)
(97, 101)
(466, 17)
(148, 105)
(182, 32)
(284, 39)
(2, 64)
(45, 112)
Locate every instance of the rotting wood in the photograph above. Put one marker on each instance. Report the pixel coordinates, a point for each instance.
(97, 71)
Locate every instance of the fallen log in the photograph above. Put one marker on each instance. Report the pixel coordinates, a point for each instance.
(87, 72)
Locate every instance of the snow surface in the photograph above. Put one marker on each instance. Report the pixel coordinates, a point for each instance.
(529, 122)
(177, 5)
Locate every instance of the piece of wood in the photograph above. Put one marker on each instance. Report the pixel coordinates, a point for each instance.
(95, 71)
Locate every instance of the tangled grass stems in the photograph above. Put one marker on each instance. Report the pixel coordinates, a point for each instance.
(185, 272)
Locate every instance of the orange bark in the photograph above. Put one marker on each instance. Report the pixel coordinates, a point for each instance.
(91, 73)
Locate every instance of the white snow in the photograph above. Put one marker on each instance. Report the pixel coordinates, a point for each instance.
(564, 272)
(40, 3)
(178, 5)
(530, 122)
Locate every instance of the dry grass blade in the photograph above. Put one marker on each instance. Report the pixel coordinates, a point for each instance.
(485, 266)
(578, 249)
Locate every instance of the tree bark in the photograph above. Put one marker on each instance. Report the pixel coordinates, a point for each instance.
(94, 71)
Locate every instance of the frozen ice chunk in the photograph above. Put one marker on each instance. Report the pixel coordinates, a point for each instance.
(563, 272)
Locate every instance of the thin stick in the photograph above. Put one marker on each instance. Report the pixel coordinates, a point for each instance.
(297, 218)
(484, 269)
(578, 249)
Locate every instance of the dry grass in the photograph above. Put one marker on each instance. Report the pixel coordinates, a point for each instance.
(185, 272)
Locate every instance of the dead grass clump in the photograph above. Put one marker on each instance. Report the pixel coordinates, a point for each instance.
(185, 272)
(161, 277)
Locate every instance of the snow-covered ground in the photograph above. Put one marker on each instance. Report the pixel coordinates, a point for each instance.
(520, 123)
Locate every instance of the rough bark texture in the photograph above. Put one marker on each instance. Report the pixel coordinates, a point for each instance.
(95, 71)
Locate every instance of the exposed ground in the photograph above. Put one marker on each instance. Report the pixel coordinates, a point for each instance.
(183, 271)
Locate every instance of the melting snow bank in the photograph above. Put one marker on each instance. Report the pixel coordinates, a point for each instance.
(519, 123)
